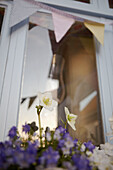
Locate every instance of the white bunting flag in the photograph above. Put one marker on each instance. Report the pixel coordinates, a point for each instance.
(61, 25)
(21, 10)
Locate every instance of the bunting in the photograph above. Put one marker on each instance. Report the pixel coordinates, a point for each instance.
(21, 10)
(61, 25)
(97, 29)
(62, 21)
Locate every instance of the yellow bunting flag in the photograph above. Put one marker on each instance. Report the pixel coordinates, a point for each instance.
(97, 29)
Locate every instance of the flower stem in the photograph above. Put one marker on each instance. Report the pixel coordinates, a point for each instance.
(39, 108)
(40, 130)
(65, 124)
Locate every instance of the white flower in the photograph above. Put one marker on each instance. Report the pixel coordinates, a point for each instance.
(83, 148)
(48, 136)
(88, 153)
(108, 148)
(70, 118)
(45, 100)
(100, 159)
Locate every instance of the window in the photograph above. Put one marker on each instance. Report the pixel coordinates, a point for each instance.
(37, 65)
(2, 10)
(78, 83)
(111, 3)
(84, 1)
(14, 42)
(68, 70)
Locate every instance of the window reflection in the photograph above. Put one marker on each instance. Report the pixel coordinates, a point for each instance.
(79, 86)
(84, 1)
(68, 70)
(111, 3)
(35, 79)
(2, 10)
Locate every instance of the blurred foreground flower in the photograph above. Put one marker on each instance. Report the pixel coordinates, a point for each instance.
(52, 149)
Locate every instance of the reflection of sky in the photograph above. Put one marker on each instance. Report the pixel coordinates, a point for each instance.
(86, 101)
(38, 61)
(37, 65)
(48, 118)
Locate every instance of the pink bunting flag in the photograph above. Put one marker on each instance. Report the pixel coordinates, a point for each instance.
(21, 10)
(61, 25)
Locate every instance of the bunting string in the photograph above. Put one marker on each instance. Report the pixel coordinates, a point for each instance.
(54, 10)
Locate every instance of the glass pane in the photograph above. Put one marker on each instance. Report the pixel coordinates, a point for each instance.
(2, 10)
(37, 66)
(84, 1)
(78, 85)
(68, 70)
(111, 3)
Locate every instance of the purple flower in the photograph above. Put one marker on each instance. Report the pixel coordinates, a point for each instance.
(61, 143)
(61, 129)
(66, 135)
(2, 155)
(36, 144)
(12, 132)
(68, 166)
(57, 135)
(81, 162)
(20, 158)
(75, 142)
(89, 146)
(31, 149)
(18, 142)
(25, 157)
(65, 150)
(6, 152)
(69, 142)
(26, 128)
(49, 158)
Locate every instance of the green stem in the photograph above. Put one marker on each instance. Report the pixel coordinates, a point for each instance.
(40, 130)
(65, 124)
(39, 108)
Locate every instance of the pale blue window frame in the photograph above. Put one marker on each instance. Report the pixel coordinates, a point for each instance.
(12, 52)
(13, 70)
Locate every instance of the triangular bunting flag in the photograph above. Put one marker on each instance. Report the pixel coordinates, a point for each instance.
(61, 25)
(21, 10)
(97, 29)
(42, 19)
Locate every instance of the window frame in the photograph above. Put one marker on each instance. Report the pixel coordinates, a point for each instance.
(13, 61)
(13, 71)
(4, 41)
(95, 8)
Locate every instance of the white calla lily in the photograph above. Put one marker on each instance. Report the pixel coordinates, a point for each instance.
(45, 100)
(70, 118)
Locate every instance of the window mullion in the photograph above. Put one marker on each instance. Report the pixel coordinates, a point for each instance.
(102, 4)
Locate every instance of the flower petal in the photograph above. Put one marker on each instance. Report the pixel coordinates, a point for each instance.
(70, 118)
(45, 100)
